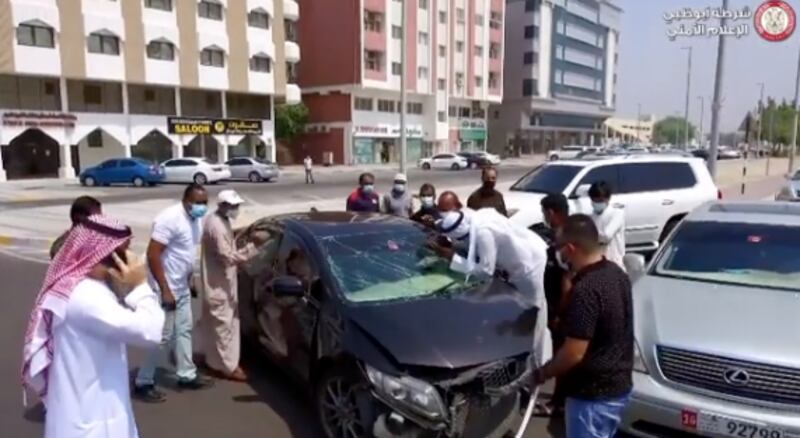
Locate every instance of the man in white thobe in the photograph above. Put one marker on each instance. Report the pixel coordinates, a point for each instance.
(75, 356)
(493, 244)
(610, 223)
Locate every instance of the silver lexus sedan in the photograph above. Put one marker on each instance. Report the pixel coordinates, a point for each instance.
(717, 325)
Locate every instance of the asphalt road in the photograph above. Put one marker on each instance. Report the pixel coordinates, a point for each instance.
(289, 186)
(268, 406)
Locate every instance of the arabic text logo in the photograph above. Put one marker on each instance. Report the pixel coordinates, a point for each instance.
(775, 20)
(219, 126)
(736, 377)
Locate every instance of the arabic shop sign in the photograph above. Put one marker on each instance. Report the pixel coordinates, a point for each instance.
(472, 124)
(193, 126)
(386, 131)
(39, 119)
(705, 22)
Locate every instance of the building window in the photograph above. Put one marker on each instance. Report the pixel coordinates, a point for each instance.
(493, 81)
(441, 116)
(397, 69)
(478, 50)
(92, 94)
(210, 10)
(103, 43)
(373, 21)
(95, 139)
(414, 107)
(149, 95)
(459, 46)
(530, 5)
(442, 51)
(373, 60)
(164, 5)
(385, 106)
(478, 81)
(422, 72)
(451, 111)
(423, 4)
(36, 34)
(363, 104)
(529, 58)
(463, 112)
(212, 57)
(494, 51)
(527, 87)
(460, 15)
(460, 80)
(290, 31)
(530, 32)
(478, 20)
(442, 84)
(423, 38)
(162, 50)
(257, 18)
(443, 17)
(397, 32)
(261, 64)
(496, 21)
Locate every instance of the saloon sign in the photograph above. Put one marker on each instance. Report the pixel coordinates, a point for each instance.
(192, 126)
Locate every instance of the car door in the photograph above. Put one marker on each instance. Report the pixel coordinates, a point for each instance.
(107, 172)
(677, 190)
(287, 323)
(128, 170)
(609, 174)
(641, 193)
(238, 167)
(171, 170)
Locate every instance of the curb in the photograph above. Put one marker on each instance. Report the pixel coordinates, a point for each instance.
(7, 241)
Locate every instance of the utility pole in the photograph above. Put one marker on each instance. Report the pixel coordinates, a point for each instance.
(771, 138)
(639, 123)
(717, 105)
(403, 105)
(793, 150)
(760, 117)
(688, 93)
(701, 144)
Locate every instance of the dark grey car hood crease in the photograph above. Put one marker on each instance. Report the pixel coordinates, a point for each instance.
(461, 329)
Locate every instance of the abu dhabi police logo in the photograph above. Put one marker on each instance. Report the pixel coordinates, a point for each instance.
(775, 20)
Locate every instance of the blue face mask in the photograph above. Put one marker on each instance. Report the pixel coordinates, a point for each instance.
(198, 210)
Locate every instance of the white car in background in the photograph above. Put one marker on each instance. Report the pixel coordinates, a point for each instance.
(444, 161)
(253, 169)
(571, 152)
(656, 192)
(194, 169)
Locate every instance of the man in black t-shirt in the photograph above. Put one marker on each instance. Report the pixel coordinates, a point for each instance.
(596, 359)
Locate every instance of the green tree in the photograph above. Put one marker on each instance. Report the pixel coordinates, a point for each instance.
(290, 121)
(671, 130)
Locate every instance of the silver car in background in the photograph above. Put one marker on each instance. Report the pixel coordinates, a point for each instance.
(717, 326)
(253, 169)
(790, 191)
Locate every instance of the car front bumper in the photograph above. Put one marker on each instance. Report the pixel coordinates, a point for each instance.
(656, 410)
(219, 176)
(270, 173)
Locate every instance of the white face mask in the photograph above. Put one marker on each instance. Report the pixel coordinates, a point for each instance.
(599, 207)
(233, 213)
(400, 188)
(427, 201)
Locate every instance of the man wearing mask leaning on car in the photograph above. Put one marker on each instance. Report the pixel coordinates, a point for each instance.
(610, 222)
(170, 256)
(364, 199)
(398, 201)
(427, 214)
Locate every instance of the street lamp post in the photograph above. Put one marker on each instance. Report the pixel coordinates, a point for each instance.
(793, 150)
(639, 123)
(702, 141)
(403, 72)
(717, 105)
(688, 93)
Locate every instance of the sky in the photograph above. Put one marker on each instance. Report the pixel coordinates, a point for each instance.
(652, 69)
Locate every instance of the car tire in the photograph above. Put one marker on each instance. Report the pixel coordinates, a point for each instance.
(455, 166)
(473, 165)
(671, 224)
(337, 392)
(138, 182)
(200, 178)
(89, 181)
(426, 166)
(254, 177)
(553, 158)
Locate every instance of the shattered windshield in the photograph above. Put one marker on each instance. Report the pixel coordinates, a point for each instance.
(389, 264)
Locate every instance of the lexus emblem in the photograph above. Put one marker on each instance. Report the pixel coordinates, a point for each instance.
(736, 377)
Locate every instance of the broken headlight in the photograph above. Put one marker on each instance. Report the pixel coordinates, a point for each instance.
(419, 396)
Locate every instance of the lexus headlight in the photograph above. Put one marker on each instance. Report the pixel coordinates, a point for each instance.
(638, 361)
(413, 393)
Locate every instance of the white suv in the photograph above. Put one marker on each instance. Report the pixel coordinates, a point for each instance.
(656, 191)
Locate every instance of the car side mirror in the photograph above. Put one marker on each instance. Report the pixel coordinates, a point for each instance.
(287, 286)
(582, 191)
(635, 265)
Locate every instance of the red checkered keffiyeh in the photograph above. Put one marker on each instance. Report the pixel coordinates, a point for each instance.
(86, 246)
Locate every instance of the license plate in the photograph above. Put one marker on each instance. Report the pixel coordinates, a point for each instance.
(719, 425)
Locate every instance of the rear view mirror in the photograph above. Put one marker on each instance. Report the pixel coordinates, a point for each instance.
(286, 286)
(582, 191)
(635, 265)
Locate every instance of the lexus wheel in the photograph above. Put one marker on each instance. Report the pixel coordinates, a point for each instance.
(200, 179)
(337, 400)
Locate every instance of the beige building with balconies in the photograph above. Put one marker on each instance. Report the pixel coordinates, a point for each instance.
(86, 80)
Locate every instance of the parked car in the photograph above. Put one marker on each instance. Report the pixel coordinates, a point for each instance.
(715, 320)
(444, 161)
(655, 190)
(728, 153)
(791, 189)
(252, 169)
(194, 169)
(480, 159)
(134, 171)
(382, 332)
(570, 152)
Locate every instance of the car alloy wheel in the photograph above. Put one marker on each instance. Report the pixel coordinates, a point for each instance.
(200, 179)
(138, 181)
(426, 166)
(89, 181)
(455, 166)
(254, 177)
(338, 407)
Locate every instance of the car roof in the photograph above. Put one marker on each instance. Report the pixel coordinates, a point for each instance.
(751, 212)
(619, 159)
(321, 224)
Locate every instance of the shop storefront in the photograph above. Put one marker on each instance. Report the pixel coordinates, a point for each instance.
(472, 135)
(381, 144)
